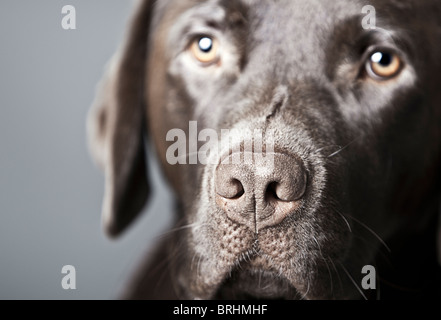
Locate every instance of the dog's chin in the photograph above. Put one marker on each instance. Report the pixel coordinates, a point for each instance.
(254, 284)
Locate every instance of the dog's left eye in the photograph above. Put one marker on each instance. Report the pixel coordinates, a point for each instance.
(205, 49)
(383, 65)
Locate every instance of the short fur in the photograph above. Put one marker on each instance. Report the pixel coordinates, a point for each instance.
(371, 149)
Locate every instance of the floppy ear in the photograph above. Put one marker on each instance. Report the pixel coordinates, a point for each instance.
(116, 127)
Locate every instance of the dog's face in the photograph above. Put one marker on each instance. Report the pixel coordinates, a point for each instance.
(351, 115)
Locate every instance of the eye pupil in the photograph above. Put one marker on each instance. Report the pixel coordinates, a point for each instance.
(205, 44)
(383, 59)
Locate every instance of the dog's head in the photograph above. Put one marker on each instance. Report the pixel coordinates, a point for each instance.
(298, 137)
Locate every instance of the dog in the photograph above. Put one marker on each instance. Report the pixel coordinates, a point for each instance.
(350, 100)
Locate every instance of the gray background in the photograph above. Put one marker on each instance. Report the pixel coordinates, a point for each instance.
(50, 191)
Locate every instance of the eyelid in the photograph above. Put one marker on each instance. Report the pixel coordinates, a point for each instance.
(381, 48)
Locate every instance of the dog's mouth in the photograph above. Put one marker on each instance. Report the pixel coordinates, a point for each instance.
(246, 283)
(253, 279)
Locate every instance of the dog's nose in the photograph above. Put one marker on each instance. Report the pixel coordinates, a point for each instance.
(259, 191)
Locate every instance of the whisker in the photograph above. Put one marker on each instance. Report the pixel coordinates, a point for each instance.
(371, 231)
(320, 249)
(195, 225)
(343, 148)
(307, 291)
(192, 261)
(353, 281)
(199, 267)
(344, 218)
(323, 258)
(330, 275)
(325, 147)
(336, 271)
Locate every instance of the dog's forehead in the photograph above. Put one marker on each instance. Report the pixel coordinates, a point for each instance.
(300, 20)
(297, 32)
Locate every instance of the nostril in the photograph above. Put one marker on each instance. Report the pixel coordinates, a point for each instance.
(271, 193)
(231, 189)
(237, 189)
(290, 188)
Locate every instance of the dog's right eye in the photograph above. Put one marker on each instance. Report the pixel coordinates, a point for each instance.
(383, 65)
(205, 50)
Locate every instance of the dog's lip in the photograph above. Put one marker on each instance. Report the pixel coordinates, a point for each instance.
(266, 279)
(252, 282)
(255, 278)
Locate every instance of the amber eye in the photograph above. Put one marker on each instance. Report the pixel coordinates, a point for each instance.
(205, 49)
(384, 65)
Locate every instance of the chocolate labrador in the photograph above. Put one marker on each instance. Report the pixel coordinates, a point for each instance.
(332, 114)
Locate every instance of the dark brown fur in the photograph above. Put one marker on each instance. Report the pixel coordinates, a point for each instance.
(371, 150)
